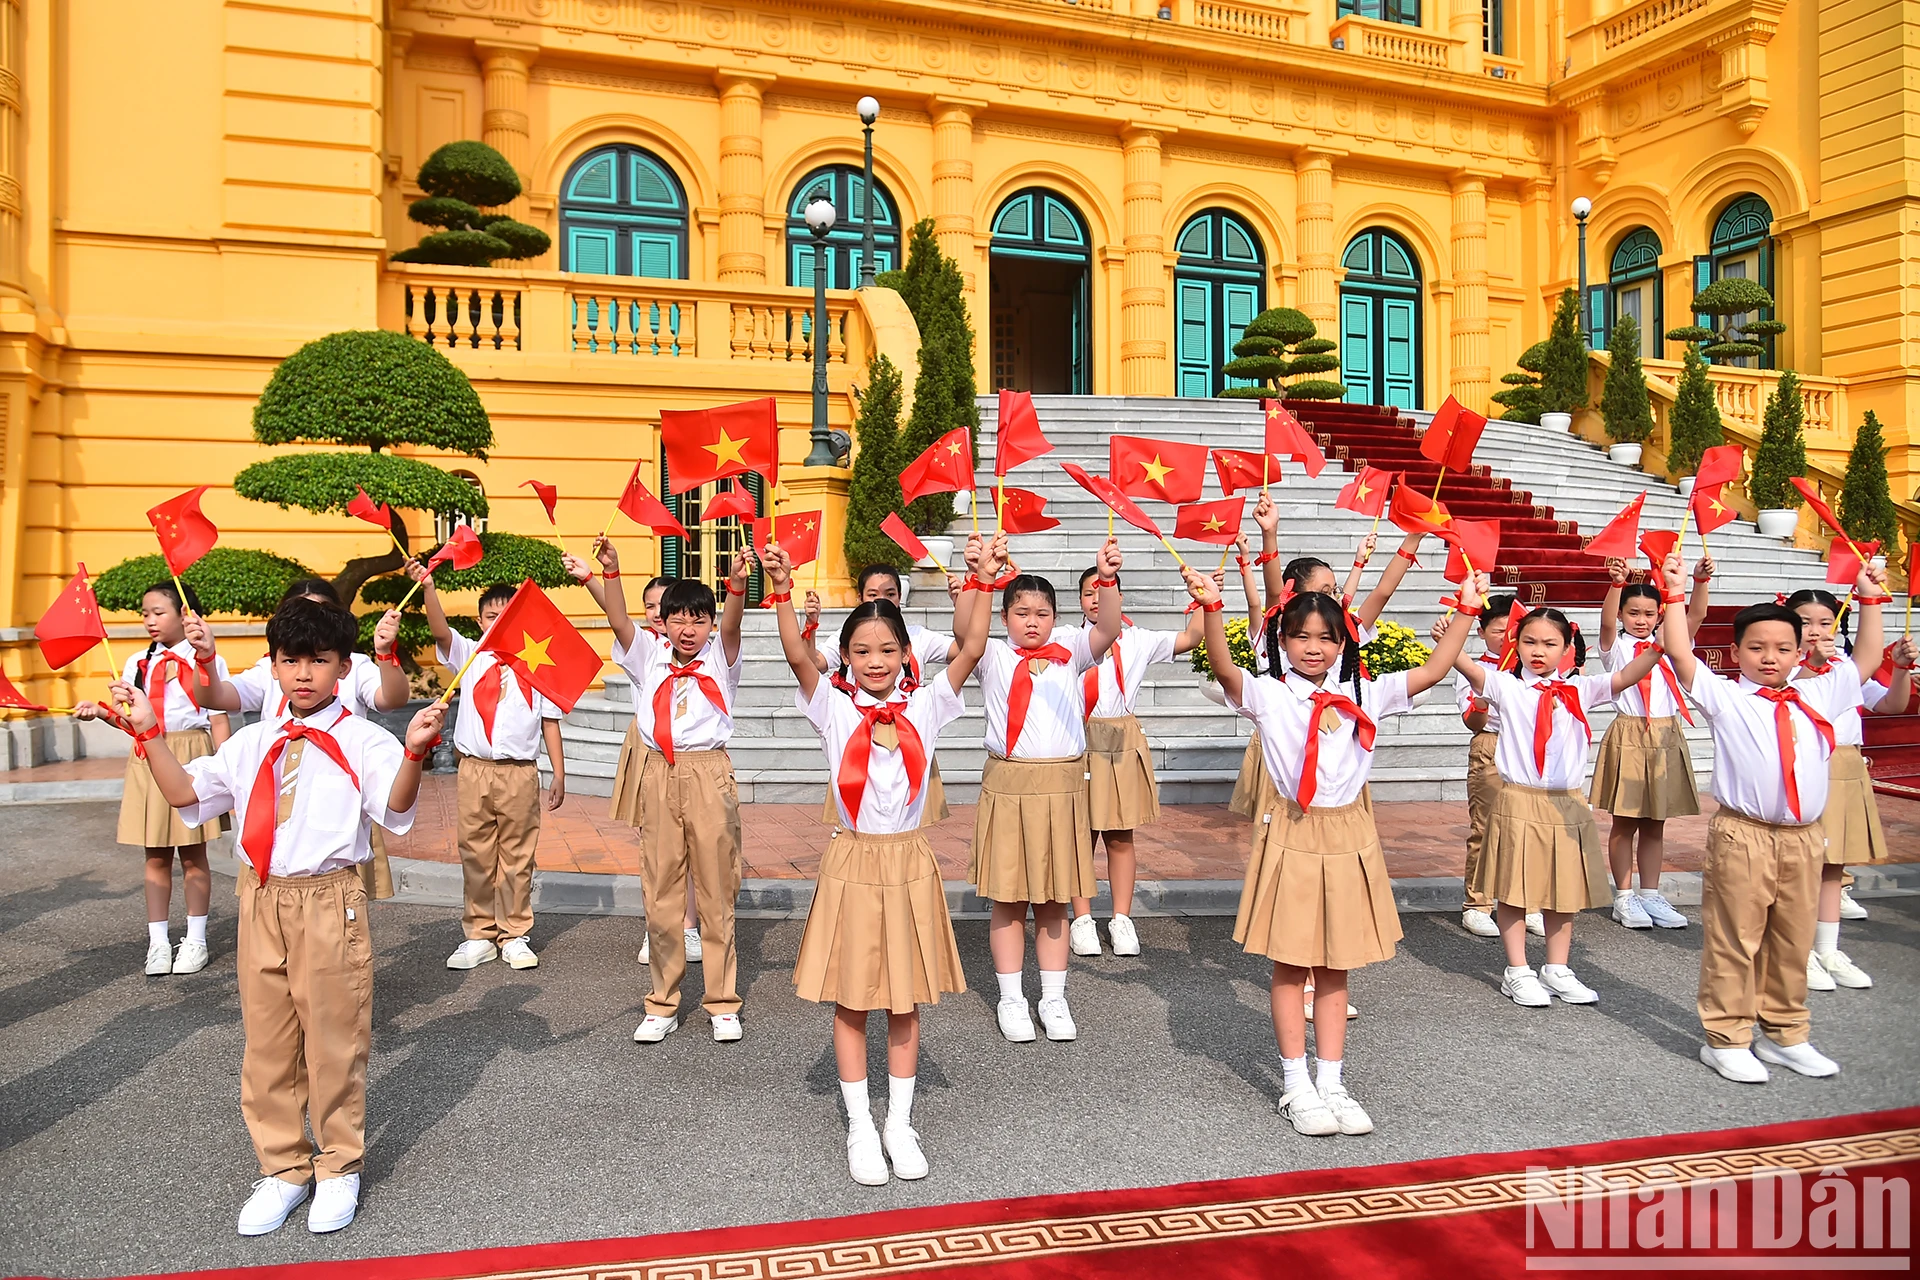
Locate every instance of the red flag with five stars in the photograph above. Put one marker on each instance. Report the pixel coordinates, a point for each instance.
(1215, 522)
(1366, 493)
(1286, 437)
(946, 466)
(12, 697)
(71, 625)
(730, 501)
(1023, 511)
(1017, 438)
(548, 495)
(1239, 469)
(462, 550)
(1656, 545)
(797, 532)
(640, 506)
(1843, 566)
(1451, 436)
(1109, 492)
(703, 445)
(1475, 540)
(185, 534)
(1622, 534)
(1168, 470)
(1718, 466)
(1415, 512)
(361, 507)
(536, 642)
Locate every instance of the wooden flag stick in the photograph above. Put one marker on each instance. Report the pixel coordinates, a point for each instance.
(1376, 519)
(1266, 468)
(973, 505)
(610, 519)
(186, 610)
(126, 708)
(446, 698)
(1437, 483)
(410, 590)
(1223, 557)
(1000, 507)
(1175, 551)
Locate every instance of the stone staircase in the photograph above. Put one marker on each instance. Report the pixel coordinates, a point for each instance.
(1196, 742)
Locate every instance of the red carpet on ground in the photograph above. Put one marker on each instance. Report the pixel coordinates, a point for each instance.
(1829, 1195)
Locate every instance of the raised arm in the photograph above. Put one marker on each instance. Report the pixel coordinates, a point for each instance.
(1697, 606)
(1870, 592)
(972, 617)
(613, 599)
(422, 733)
(1376, 602)
(1610, 603)
(216, 694)
(811, 632)
(1453, 641)
(1196, 628)
(1641, 667)
(797, 649)
(1219, 651)
(1108, 629)
(1272, 573)
(735, 607)
(1361, 556)
(1249, 586)
(430, 601)
(393, 692)
(1675, 637)
(1900, 690)
(168, 775)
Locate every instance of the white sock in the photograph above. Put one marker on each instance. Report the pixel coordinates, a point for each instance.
(1515, 970)
(1078, 919)
(1010, 986)
(1826, 937)
(157, 932)
(899, 1100)
(1557, 970)
(1620, 895)
(859, 1110)
(1650, 893)
(1293, 1074)
(1327, 1074)
(197, 929)
(1053, 986)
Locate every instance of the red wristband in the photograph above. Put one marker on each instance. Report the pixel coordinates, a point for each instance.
(407, 751)
(1243, 562)
(1673, 597)
(1873, 600)
(1474, 612)
(785, 597)
(1407, 555)
(1104, 583)
(973, 583)
(809, 631)
(1266, 557)
(140, 740)
(610, 575)
(732, 592)
(391, 658)
(205, 664)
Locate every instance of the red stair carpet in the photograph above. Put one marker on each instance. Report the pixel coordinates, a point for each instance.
(1830, 1195)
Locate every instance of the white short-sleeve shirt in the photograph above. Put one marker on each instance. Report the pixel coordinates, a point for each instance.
(1464, 695)
(179, 709)
(1746, 744)
(1518, 700)
(888, 805)
(697, 724)
(1847, 698)
(1283, 712)
(1055, 727)
(260, 692)
(516, 717)
(1625, 649)
(930, 649)
(1119, 686)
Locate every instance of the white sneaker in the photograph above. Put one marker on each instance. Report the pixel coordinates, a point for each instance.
(1843, 971)
(903, 1150)
(1523, 988)
(1479, 923)
(518, 953)
(1567, 987)
(1120, 931)
(726, 1027)
(646, 949)
(1348, 1114)
(335, 1201)
(1628, 911)
(1802, 1057)
(472, 953)
(1308, 1113)
(272, 1200)
(1536, 924)
(1058, 1019)
(1737, 1065)
(191, 958)
(159, 958)
(1818, 979)
(654, 1028)
(1016, 1019)
(1083, 936)
(1661, 912)
(865, 1162)
(1849, 909)
(692, 937)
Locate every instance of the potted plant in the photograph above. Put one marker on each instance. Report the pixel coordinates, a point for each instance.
(1563, 367)
(1695, 420)
(1866, 499)
(1624, 406)
(1239, 645)
(1278, 344)
(1782, 455)
(873, 490)
(1523, 400)
(934, 290)
(1396, 648)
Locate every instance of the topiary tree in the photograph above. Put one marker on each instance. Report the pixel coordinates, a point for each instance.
(934, 291)
(1866, 499)
(1725, 341)
(461, 179)
(1695, 417)
(1523, 400)
(874, 489)
(1278, 344)
(1563, 365)
(1782, 454)
(1624, 406)
(227, 580)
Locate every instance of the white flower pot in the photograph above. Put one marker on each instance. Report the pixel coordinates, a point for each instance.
(1880, 563)
(1214, 693)
(906, 591)
(939, 552)
(1557, 421)
(1778, 523)
(1686, 488)
(1627, 455)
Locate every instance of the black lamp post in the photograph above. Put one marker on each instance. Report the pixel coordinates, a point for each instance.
(1581, 208)
(820, 221)
(869, 109)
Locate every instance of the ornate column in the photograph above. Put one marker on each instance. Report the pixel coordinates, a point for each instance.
(1467, 24)
(1144, 323)
(953, 180)
(12, 275)
(1469, 330)
(1313, 226)
(503, 118)
(743, 227)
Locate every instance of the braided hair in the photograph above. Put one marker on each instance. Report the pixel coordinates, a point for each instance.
(866, 611)
(1292, 621)
(1831, 603)
(1568, 632)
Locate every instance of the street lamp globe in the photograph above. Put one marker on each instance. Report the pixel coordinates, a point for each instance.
(869, 109)
(1582, 207)
(820, 215)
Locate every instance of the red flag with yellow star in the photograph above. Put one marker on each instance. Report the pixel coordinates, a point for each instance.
(1367, 492)
(1415, 512)
(1709, 512)
(185, 534)
(797, 532)
(1238, 469)
(1450, 438)
(945, 466)
(1622, 534)
(1023, 511)
(71, 625)
(12, 698)
(533, 639)
(1215, 522)
(703, 445)
(1843, 566)
(1286, 437)
(1165, 469)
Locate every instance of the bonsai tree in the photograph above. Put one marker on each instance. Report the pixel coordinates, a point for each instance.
(461, 179)
(1866, 499)
(1523, 399)
(1695, 418)
(1280, 344)
(1563, 365)
(227, 580)
(934, 291)
(1624, 407)
(1723, 301)
(1782, 454)
(874, 490)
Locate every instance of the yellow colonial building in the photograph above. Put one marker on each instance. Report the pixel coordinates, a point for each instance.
(189, 191)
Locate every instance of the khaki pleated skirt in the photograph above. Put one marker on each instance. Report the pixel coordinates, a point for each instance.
(936, 809)
(1032, 833)
(1644, 771)
(1122, 792)
(1251, 787)
(625, 804)
(878, 935)
(1542, 851)
(1851, 821)
(1317, 892)
(146, 819)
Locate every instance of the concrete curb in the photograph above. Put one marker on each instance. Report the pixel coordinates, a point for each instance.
(61, 792)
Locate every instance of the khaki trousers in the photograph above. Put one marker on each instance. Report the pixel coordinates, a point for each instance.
(692, 820)
(1759, 888)
(306, 1002)
(499, 827)
(1483, 783)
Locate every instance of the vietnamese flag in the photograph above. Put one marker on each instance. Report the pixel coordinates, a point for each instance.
(1622, 534)
(1452, 435)
(896, 528)
(463, 550)
(185, 534)
(1470, 540)
(1286, 437)
(1819, 505)
(1109, 492)
(1709, 513)
(1239, 469)
(71, 625)
(1657, 545)
(1215, 522)
(1023, 511)
(1843, 564)
(11, 697)
(702, 445)
(945, 466)
(1366, 493)
(640, 506)
(797, 532)
(1414, 512)
(729, 501)
(361, 507)
(534, 639)
(548, 495)
(1017, 438)
(1168, 470)
(1718, 466)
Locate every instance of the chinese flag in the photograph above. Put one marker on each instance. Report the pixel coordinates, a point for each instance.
(1657, 545)
(896, 528)
(1415, 512)
(1843, 566)
(1622, 534)
(703, 445)
(1510, 651)
(535, 640)
(1215, 522)
(1475, 540)
(1709, 513)
(641, 507)
(547, 494)
(1239, 469)
(945, 467)
(1023, 511)
(185, 534)
(729, 501)
(462, 550)
(797, 532)
(1286, 437)
(1718, 466)
(1452, 435)
(1109, 492)
(71, 625)
(1366, 493)
(1018, 437)
(374, 513)
(12, 697)
(1164, 469)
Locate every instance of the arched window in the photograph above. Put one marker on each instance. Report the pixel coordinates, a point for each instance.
(623, 213)
(1633, 289)
(1218, 287)
(1406, 12)
(1380, 305)
(1040, 281)
(845, 187)
(1741, 249)
(445, 522)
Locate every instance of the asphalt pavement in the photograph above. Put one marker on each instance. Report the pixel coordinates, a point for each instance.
(512, 1108)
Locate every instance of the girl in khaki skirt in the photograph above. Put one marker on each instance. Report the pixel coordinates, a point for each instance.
(878, 935)
(1317, 900)
(1122, 792)
(1542, 850)
(1483, 776)
(1644, 774)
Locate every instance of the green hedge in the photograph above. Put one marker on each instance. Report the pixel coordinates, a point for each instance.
(328, 481)
(470, 171)
(227, 580)
(372, 389)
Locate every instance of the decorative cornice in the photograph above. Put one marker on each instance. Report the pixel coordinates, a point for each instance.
(633, 84)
